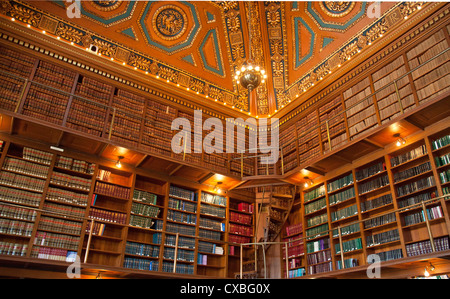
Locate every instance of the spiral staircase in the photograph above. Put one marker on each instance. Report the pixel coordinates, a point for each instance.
(274, 201)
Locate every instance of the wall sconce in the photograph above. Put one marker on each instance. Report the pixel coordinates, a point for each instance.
(118, 164)
(400, 141)
(217, 188)
(308, 182)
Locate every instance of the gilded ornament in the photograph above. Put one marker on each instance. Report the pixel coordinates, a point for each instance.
(69, 33)
(169, 22)
(336, 9)
(106, 5)
(25, 15)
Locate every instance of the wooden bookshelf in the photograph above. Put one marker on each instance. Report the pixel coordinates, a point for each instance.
(116, 218)
(242, 216)
(385, 206)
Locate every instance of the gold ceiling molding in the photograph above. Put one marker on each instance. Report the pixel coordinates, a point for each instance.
(367, 64)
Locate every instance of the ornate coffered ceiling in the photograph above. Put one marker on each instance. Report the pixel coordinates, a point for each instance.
(197, 45)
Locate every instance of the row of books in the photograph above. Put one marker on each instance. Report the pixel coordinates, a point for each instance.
(145, 210)
(15, 249)
(380, 220)
(124, 127)
(387, 73)
(210, 247)
(35, 155)
(344, 213)
(75, 165)
(295, 248)
(97, 228)
(20, 196)
(67, 180)
(318, 245)
(346, 230)
(294, 229)
(340, 183)
(416, 186)
(373, 184)
(103, 175)
(341, 196)
(442, 160)
(181, 217)
(320, 268)
(312, 151)
(390, 255)
(370, 119)
(59, 225)
(56, 240)
(55, 254)
(245, 207)
(413, 171)
(212, 210)
(180, 268)
(180, 228)
(22, 181)
(144, 197)
(444, 176)
(241, 218)
(212, 224)
(424, 247)
(348, 263)
(25, 167)
(183, 242)
(376, 202)
(381, 238)
(241, 229)
(209, 234)
(140, 264)
(74, 123)
(127, 100)
(349, 245)
(440, 142)
(48, 106)
(239, 239)
(416, 199)
(202, 259)
(355, 89)
(317, 231)
(432, 213)
(182, 205)
(61, 82)
(66, 196)
(93, 94)
(143, 222)
(108, 216)
(112, 190)
(315, 193)
(318, 257)
(141, 249)
(370, 170)
(182, 254)
(214, 199)
(319, 219)
(412, 154)
(16, 227)
(17, 213)
(315, 206)
(86, 115)
(9, 93)
(9, 56)
(182, 193)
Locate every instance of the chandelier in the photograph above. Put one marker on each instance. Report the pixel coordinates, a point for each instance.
(250, 75)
